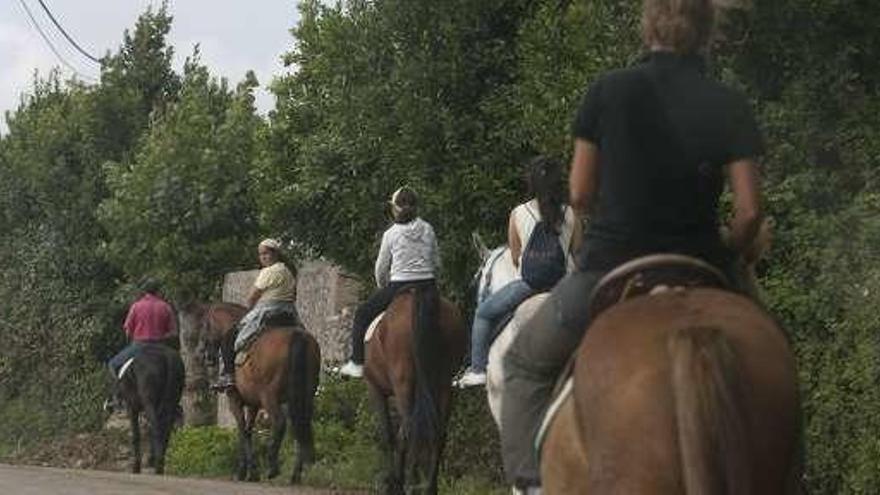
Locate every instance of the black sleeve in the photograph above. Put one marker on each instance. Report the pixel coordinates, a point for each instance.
(744, 139)
(587, 122)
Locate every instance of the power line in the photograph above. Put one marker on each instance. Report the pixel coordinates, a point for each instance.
(36, 26)
(72, 42)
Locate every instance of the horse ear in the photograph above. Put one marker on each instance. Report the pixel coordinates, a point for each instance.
(479, 245)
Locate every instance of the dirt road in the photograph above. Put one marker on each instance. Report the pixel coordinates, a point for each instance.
(24, 480)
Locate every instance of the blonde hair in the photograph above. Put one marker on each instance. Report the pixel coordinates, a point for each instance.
(684, 26)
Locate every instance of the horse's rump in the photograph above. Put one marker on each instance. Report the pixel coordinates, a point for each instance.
(411, 356)
(264, 365)
(662, 380)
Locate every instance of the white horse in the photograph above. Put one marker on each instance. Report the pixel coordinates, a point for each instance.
(496, 271)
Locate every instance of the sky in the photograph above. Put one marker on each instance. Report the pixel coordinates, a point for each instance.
(233, 37)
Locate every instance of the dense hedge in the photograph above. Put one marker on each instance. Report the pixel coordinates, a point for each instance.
(449, 97)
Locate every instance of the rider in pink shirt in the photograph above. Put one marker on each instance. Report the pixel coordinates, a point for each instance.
(150, 320)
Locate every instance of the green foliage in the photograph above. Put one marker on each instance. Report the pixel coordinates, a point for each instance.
(59, 320)
(181, 210)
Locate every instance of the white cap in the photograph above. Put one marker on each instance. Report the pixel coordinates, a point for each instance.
(271, 244)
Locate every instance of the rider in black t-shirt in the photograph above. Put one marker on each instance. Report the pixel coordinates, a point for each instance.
(653, 146)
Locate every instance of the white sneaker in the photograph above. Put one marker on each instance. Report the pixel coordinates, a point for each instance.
(472, 379)
(532, 490)
(352, 369)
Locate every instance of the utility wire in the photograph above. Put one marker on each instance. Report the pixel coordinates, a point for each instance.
(72, 42)
(49, 42)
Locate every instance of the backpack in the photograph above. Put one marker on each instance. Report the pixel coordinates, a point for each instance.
(543, 260)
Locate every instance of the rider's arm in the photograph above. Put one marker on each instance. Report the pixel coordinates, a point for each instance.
(513, 240)
(584, 178)
(747, 215)
(383, 262)
(254, 296)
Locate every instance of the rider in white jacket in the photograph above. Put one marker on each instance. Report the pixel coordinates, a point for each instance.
(408, 256)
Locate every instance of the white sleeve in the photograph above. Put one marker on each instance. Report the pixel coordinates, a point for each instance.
(435, 252)
(383, 261)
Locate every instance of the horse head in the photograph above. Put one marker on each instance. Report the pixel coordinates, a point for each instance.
(496, 268)
(204, 326)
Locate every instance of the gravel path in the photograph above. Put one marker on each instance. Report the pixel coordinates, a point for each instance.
(26, 480)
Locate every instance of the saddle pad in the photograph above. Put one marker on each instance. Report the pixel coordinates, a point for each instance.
(372, 328)
(554, 408)
(124, 368)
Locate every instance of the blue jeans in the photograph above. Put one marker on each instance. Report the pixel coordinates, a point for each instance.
(130, 351)
(499, 303)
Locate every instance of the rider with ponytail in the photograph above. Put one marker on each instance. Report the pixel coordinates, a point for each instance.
(654, 145)
(544, 180)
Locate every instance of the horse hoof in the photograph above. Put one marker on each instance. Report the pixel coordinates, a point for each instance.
(273, 473)
(136, 469)
(254, 476)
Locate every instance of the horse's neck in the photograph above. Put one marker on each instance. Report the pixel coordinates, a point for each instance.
(498, 271)
(224, 316)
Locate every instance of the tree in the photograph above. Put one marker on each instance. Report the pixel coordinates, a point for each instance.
(182, 210)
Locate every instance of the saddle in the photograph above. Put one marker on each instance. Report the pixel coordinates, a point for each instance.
(652, 274)
(647, 275)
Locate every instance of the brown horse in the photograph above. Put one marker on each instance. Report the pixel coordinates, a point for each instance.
(412, 356)
(282, 367)
(684, 392)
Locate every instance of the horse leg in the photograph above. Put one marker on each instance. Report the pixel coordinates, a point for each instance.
(279, 427)
(245, 446)
(392, 482)
(155, 432)
(164, 433)
(403, 433)
(134, 418)
(444, 403)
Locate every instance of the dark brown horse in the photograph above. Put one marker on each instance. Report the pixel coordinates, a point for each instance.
(412, 356)
(687, 392)
(152, 384)
(282, 367)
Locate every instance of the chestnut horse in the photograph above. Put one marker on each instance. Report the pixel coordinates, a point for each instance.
(683, 392)
(282, 367)
(417, 346)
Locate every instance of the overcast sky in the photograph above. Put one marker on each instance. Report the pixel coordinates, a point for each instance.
(234, 36)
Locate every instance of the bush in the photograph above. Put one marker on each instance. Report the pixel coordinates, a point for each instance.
(207, 451)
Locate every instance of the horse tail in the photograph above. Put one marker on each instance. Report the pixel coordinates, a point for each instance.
(707, 389)
(429, 356)
(302, 381)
